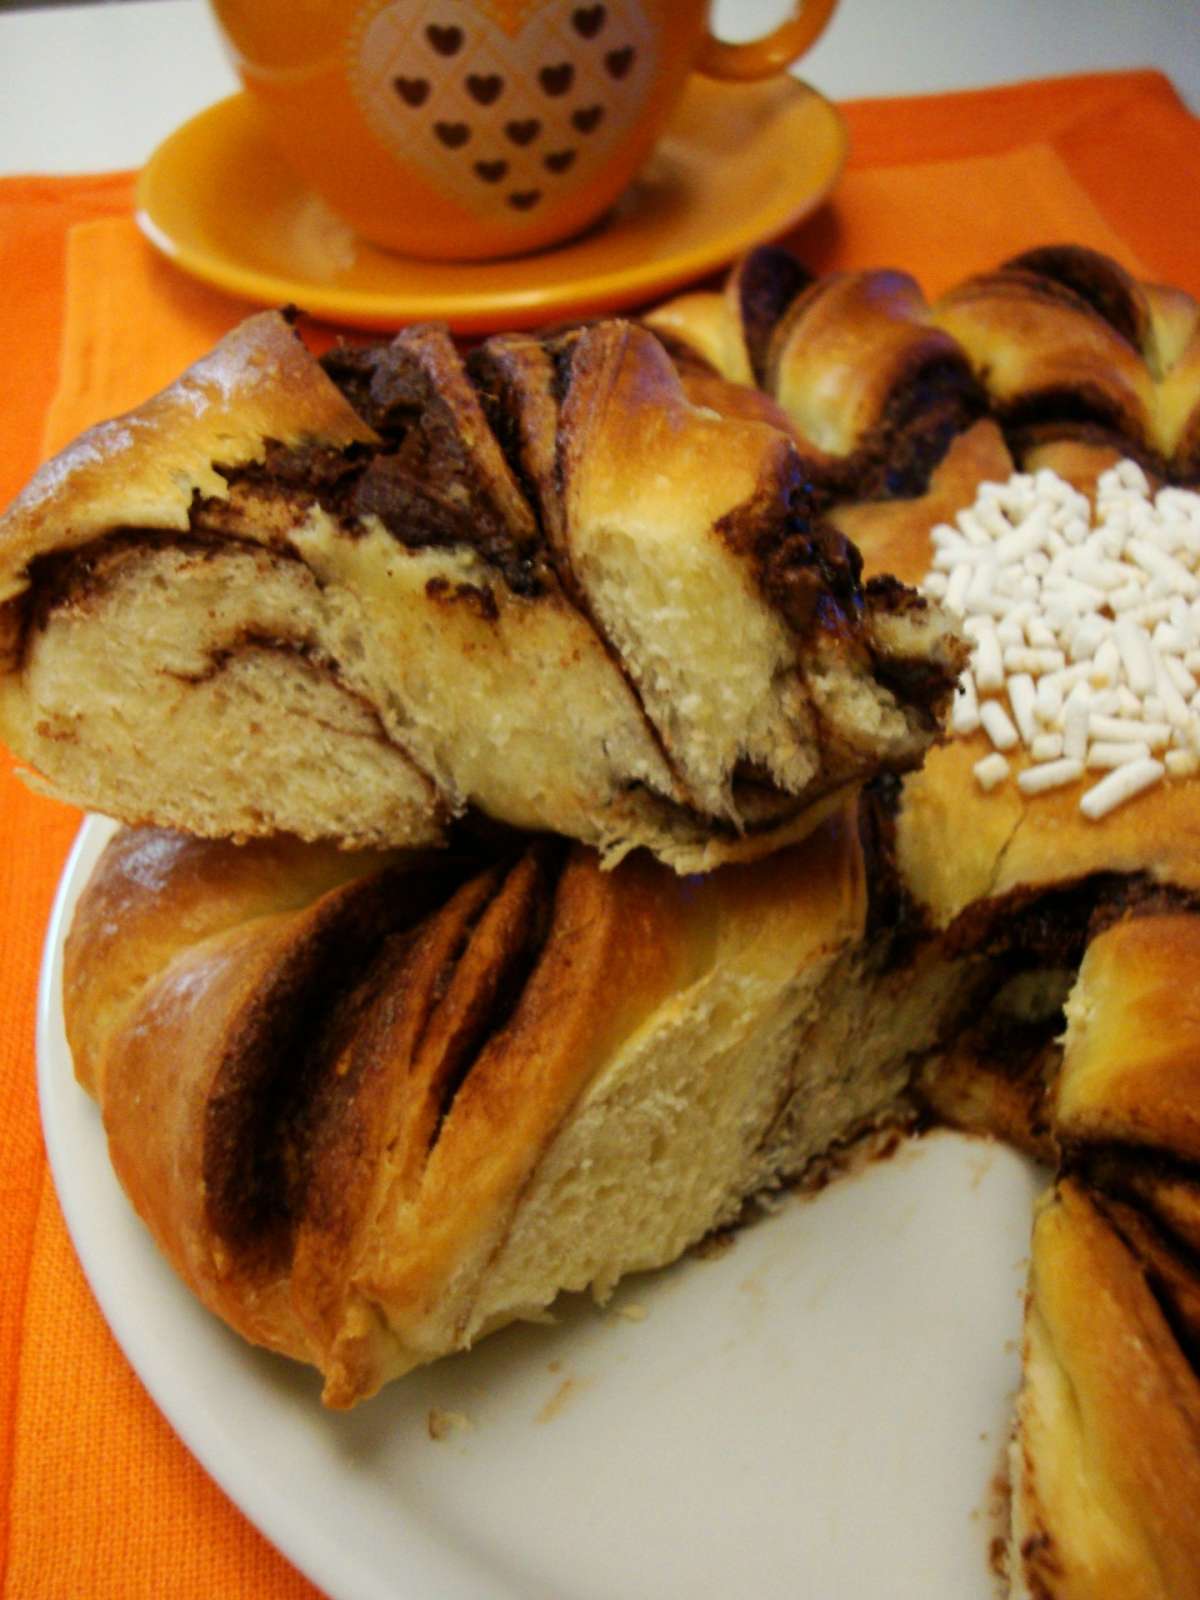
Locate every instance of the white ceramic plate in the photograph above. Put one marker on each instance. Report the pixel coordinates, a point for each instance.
(820, 1411)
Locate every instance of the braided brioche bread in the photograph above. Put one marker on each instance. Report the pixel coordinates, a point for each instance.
(1077, 362)
(381, 1109)
(373, 1107)
(350, 599)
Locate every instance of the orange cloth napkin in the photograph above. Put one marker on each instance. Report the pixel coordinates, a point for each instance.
(98, 1500)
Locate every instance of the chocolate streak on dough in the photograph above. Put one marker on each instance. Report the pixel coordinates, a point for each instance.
(1093, 279)
(77, 579)
(896, 922)
(767, 281)
(807, 572)
(925, 412)
(522, 391)
(1031, 930)
(919, 682)
(1127, 1170)
(1052, 925)
(248, 640)
(1169, 1264)
(385, 397)
(290, 1034)
(1026, 433)
(78, 576)
(421, 484)
(532, 884)
(933, 397)
(434, 1001)
(1084, 411)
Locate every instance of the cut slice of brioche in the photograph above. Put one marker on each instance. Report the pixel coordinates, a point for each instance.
(541, 585)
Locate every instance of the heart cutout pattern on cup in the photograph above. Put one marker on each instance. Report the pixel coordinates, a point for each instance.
(497, 105)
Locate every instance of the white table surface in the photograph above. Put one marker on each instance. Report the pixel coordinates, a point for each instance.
(94, 87)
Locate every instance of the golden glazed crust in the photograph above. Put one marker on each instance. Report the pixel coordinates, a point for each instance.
(844, 349)
(1131, 1068)
(1005, 845)
(143, 469)
(1034, 342)
(330, 1085)
(130, 925)
(1073, 357)
(1107, 1455)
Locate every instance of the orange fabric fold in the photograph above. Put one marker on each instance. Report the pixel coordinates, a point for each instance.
(98, 1499)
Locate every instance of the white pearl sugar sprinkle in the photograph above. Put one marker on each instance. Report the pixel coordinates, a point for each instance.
(1084, 630)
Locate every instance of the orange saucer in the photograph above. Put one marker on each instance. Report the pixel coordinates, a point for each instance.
(738, 164)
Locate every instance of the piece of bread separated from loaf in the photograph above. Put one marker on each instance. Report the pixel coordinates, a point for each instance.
(351, 599)
(372, 1109)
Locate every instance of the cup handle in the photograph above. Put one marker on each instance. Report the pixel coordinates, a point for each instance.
(775, 52)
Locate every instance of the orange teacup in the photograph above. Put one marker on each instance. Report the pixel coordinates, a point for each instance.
(470, 129)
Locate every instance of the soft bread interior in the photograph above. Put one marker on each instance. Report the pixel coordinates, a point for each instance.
(512, 704)
(648, 486)
(741, 1087)
(190, 711)
(575, 602)
(679, 523)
